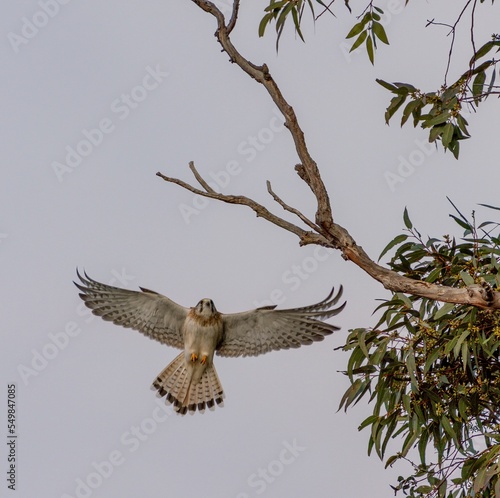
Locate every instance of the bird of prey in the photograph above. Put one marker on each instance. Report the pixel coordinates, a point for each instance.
(190, 381)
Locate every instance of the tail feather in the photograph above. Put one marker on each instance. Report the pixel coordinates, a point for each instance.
(176, 384)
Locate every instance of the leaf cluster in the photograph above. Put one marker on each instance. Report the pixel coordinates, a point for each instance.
(442, 111)
(278, 11)
(368, 30)
(431, 371)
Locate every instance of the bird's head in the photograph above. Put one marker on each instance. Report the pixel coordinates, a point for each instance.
(206, 308)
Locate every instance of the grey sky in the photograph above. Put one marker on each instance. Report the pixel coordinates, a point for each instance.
(151, 78)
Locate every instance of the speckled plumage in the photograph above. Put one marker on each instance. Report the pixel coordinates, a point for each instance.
(190, 381)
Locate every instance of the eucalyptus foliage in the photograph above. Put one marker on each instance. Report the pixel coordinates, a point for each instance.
(431, 371)
(440, 111)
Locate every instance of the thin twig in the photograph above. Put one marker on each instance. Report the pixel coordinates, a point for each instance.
(261, 211)
(326, 9)
(199, 178)
(290, 209)
(453, 29)
(234, 16)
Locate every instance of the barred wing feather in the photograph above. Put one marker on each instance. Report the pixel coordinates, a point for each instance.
(259, 331)
(154, 315)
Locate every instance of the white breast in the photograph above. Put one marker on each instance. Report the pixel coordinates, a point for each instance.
(201, 339)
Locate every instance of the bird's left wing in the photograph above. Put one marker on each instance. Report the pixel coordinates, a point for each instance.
(148, 312)
(259, 331)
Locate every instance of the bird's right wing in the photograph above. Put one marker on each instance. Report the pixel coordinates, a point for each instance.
(259, 331)
(148, 312)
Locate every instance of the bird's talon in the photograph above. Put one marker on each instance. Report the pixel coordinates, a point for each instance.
(203, 359)
(194, 357)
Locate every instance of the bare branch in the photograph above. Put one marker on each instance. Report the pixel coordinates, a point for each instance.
(453, 29)
(200, 179)
(234, 16)
(262, 75)
(327, 9)
(290, 209)
(261, 211)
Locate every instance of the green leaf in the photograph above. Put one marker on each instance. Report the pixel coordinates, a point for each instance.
(410, 109)
(435, 132)
(264, 22)
(477, 86)
(482, 51)
(445, 423)
(361, 38)
(461, 339)
(394, 242)
(369, 49)
(276, 6)
(379, 32)
(296, 21)
(396, 103)
(480, 480)
(431, 359)
(490, 207)
(386, 85)
(462, 409)
(411, 368)
(441, 118)
(406, 219)
(465, 356)
(492, 82)
(463, 224)
(368, 421)
(462, 124)
(434, 275)
(448, 131)
(466, 277)
(355, 30)
(350, 394)
(444, 310)
(422, 445)
(391, 460)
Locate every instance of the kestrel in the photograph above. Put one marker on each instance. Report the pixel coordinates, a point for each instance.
(190, 381)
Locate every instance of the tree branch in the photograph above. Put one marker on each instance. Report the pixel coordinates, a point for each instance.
(325, 231)
(234, 16)
(290, 209)
(261, 211)
(262, 75)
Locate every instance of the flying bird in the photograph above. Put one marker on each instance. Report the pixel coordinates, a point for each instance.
(190, 382)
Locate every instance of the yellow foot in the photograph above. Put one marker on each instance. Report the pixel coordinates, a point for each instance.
(194, 357)
(203, 359)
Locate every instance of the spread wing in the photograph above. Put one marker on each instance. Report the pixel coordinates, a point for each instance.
(266, 329)
(148, 312)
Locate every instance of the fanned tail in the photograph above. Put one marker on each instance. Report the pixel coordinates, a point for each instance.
(177, 384)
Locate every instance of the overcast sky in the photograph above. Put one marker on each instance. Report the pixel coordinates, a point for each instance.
(97, 99)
